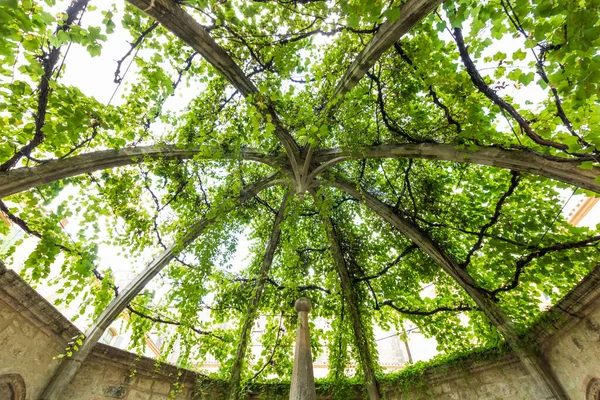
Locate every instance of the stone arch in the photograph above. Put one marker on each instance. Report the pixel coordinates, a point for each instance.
(593, 390)
(12, 387)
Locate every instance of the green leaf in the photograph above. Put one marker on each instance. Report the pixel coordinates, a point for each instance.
(526, 78)
(499, 56)
(110, 26)
(392, 14)
(269, 128)
(353, 20)
(94, 50)
(519, 55)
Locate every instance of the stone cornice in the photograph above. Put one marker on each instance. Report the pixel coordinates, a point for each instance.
(123, 359)
(29, 303)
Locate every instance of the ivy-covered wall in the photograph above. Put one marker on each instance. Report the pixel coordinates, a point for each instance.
(33, 333)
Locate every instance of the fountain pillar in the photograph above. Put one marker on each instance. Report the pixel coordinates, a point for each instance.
(303, 379)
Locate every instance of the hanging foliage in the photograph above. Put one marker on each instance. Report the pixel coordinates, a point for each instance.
(357, 152)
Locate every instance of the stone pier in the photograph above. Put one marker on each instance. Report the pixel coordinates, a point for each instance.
(303, 380)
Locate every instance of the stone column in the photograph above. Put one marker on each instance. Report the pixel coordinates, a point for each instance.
(303, 379)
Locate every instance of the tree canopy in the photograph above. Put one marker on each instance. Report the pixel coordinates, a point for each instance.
(363, 149)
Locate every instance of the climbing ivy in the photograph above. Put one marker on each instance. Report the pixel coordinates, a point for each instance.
(514, 75)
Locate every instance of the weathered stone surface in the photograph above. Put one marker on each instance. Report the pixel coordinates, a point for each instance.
(572, 346)
(490, 376)
(446, 388)
(161, 387)
(30, 345)
(575, 355)
(33, 334)
(144, 383)
(437, 390)
(115, 392)
(159, 397)
(137, 395)
(114, 375)
(31, 359)
(450, 396)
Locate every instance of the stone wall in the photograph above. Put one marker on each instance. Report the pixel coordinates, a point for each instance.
(26, 350)
(571, 342)
(111, 373)
(497, 379)
(575, 356)
(33, 333)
